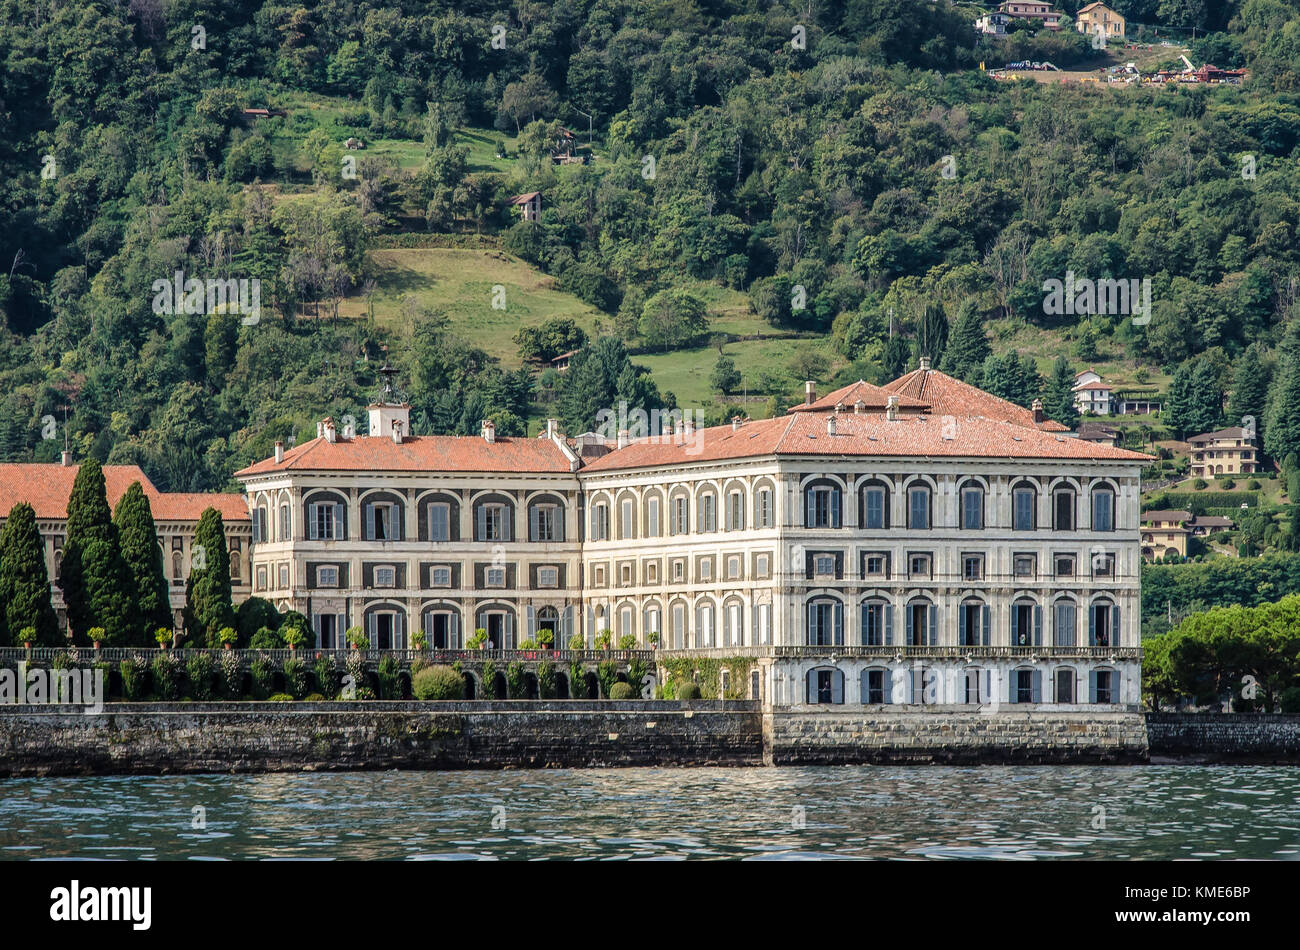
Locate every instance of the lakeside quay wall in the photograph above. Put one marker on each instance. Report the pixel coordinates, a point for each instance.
(158, 738)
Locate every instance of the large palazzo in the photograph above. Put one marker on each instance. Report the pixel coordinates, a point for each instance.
(919, 543)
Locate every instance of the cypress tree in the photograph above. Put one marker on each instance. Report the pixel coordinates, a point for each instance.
(1177, 408)
(151, 608)
(208, 607)
(969, 346)
(94, 578)
(1205, 399)
(1058, 395)
(932, 334)
(894, 358)
(1282, 420)
(24, 581)
(1250, 391)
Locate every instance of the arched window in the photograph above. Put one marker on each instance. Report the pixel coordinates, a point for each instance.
(922, 623)
(733, 624)
(973, 623)
(178, 569)
(874, 506)
(1026, 623)
(652, 622)
(1064, 621)
(260, 524)
(824, 687)
(822, 504)
(325, 517)
(825, 622)
(441, 625)
(653, 506)
(385, 624)
(679, 514)
(1024, 507)
(546, 519)
(286, 522)
(600, 521)
(875, 686)
(918, 506)
(708, 512)
(494, 519)
(1103, 624)
(972, 506)
(1025, 685)
(439, 518)
(627, 516)
(1063, 506)
(1103, 686)
(704, 625)
(498, 620)
(1103, 509)
(877, 623)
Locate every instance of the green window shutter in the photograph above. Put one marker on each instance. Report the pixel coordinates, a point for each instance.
(1038, 686)
(889, 625)
(1038, 625)
(1114, 625)
(932, 612)
(985, 611)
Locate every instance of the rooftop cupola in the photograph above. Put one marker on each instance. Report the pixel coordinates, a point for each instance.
(390, 416)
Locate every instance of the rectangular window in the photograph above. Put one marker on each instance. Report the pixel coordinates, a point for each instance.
(492, 523)
(918, 565)
(440, 521)
(1105, 688)
(679, 570)
(972, 509)
(495, 577)
(1065, 686)
(652, 518)
(918, 508)
(706, 569)
(327, 576)
(284, 577)
(261, 578)
(625, 574)
(972, 567)
(652, 572)
(628, 528)
(875, 688)
(440, 576)
(1064, 565)
(1063, 635)
(385, 577)
(733, 568)
(875, 565)
(873, 501)
(762, 566)
(286, 524)
(764, 508)
(1103, 511)
(381, 521)
(823, 508)
(1023, 565)
(598, 576)
(873, 623)
(763, 623)
(824, 565)
(1023, 520)
(548, 577)
(324, 521)
(1103, 565)
(600, 523)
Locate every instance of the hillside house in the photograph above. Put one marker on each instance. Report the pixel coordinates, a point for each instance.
(1031, 10)
(530, 205)
(1098, 18)
(992, 24)
(1165, 532)
(1229, 451)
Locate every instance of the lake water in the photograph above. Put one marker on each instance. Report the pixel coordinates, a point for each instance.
(1021, 813)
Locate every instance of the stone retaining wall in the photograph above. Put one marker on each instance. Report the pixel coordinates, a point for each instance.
(941, 736)
(1210, 737)
(261, 737)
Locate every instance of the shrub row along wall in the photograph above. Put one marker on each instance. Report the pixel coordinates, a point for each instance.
(1224, 738)
(955, 737)
(154, 738)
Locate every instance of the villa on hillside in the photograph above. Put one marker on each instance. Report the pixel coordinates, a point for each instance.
(918, 543)
(1097, 18)
(1031, 10)
(1228, 451)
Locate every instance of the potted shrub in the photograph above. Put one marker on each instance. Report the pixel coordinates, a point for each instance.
(96, 635)
(604, 639)
(162, 635)
(477, 640)
(627, 641)
(419, 640)
(653, 640)
(27, 635)
(545, 638)
(357, 638)
(227, 636)
(575, 642)
(294, 637)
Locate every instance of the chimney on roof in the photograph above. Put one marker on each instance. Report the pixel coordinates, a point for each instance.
(65, 458)
(891, 410)
(1038, 411)
(279, 451)
(809, 392)
(623, 438)
(925, 363)
(320, 430)
(331, 433)
(552, 426)
(349, 431)
(489, 431)
(859, 407)
(735, 423)
(830, 424)
(397, 431)
(688, 428)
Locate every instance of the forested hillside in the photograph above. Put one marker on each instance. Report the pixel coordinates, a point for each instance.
(840, 176)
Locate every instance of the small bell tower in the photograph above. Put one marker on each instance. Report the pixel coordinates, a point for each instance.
(390, 416)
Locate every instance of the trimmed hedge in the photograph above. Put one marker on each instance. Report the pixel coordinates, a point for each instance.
(1199, 502)
(621, 691)
(437, 683)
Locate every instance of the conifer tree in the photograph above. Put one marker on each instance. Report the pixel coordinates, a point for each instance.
(1058, 394)
(1282, 420)
(894, 358)
(1249, 391)
(208, 607)
(1204, 399)
(94, 578)
(24, 581)
(969, 346)
(150, 605)
(1177, 408)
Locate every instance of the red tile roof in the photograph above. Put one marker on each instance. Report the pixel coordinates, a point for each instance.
(948, 396)
(857, 435)
(424, 453)
(873, 397)
(46, 487)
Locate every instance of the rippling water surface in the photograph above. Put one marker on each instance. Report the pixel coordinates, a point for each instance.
(1020, 813)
